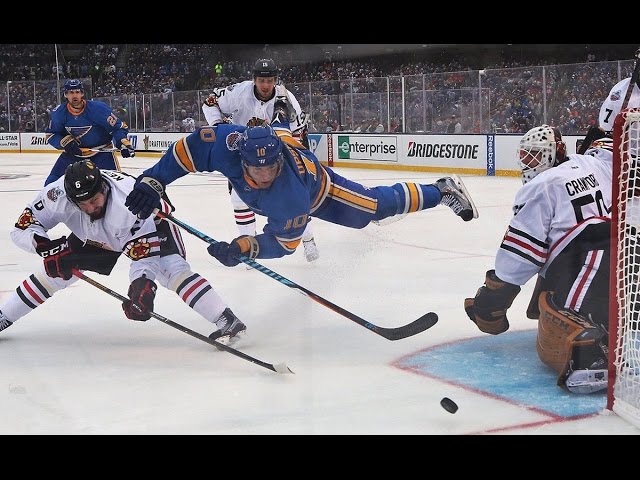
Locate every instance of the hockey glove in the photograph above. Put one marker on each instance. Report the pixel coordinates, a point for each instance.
(55, 253)
(126, 149)
(71, 145)
(142, 292)
(228, 253)
(488, 310)
(145, 197)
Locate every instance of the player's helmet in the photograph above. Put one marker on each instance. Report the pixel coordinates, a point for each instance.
(265, 67)
(260, 147)
(73, 84)
(82, 180)
(540, 149)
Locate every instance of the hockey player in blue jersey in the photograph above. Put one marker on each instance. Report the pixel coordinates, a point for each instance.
(276, 176)
(79, 125)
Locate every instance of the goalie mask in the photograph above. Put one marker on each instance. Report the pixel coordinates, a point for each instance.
(540, 149)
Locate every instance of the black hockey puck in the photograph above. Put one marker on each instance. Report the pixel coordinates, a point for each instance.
(449, 405)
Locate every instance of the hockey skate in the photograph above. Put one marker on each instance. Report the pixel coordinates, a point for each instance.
(589, 380)
(311, 252)
(456, 197)
(4, 322)
(229, 327)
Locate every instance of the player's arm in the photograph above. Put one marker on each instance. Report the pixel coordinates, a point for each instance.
(277, 241)
(58, 137)
(193, 153)
(117, 128)
(211, 108)
(34, 221)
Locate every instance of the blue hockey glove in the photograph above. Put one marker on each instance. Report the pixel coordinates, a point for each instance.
(126, 149)
(228, 253)
(145, 197)
(71, 145)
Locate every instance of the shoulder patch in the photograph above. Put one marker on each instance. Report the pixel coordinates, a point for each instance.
(232, 140)
(26, 220)
(615, 96)
(54, 194)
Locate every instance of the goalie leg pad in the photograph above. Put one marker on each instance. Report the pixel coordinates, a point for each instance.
(565, 338)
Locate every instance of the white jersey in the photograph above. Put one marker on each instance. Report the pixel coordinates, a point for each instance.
(612, 105)
(118, 230)
(239, 102)
(549, 206)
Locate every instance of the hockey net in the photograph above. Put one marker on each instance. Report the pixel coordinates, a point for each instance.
(624, 315)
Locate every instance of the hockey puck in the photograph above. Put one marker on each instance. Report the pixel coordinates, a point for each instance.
(449, 405)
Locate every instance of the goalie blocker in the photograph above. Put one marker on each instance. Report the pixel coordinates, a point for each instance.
(573, 346)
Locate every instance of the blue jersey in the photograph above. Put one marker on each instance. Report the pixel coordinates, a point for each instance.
(304, 187)
(95, 126)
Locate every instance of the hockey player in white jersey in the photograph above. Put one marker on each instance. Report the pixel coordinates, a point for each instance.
(90, 202)
(612, 105)
(251, 103)
(559, 231)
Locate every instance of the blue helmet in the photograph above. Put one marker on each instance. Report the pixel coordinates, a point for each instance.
(73, 85)
(260, 147)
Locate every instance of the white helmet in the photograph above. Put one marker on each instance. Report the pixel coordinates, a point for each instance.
(540, 149)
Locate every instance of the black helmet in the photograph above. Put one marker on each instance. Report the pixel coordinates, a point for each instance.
(265, 67)
(82, 180)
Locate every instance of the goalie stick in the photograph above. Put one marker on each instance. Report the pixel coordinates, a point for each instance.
(423, 323)
(595, 132)
(279, 368)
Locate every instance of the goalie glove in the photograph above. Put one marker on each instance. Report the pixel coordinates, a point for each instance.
(228, 253)
(145, 197)
(71, 145)
(126, 149)
(488, 310)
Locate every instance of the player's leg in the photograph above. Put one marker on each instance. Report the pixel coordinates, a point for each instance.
(244, 216)
(59, 167)
(311, 252)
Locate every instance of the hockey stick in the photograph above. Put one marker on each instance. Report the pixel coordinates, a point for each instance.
(426, 321)
(279, 368)
(595, 132)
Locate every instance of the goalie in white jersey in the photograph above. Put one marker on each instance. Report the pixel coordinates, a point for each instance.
(250, 103)
(560, 231)
(90, 202)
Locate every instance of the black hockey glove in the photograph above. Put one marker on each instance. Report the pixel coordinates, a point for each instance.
(126, 149)
(488, 310)
(228, 253)
(71, 145)
(142, 292)
(55, 254)
(145, 197)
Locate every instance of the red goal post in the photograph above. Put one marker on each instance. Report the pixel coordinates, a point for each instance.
(624, 302)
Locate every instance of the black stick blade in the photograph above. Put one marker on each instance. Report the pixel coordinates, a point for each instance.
(425, 322)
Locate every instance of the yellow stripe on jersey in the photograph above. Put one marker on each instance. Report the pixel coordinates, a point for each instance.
(414, 200)
(325, 187)
(353, 199)
(183, 156)
(289, 244)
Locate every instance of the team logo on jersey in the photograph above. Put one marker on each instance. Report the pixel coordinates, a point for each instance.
(615, 96)
(55, 193)
(26, 219)
(138, 249)
(78, 132)
(232, 140)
